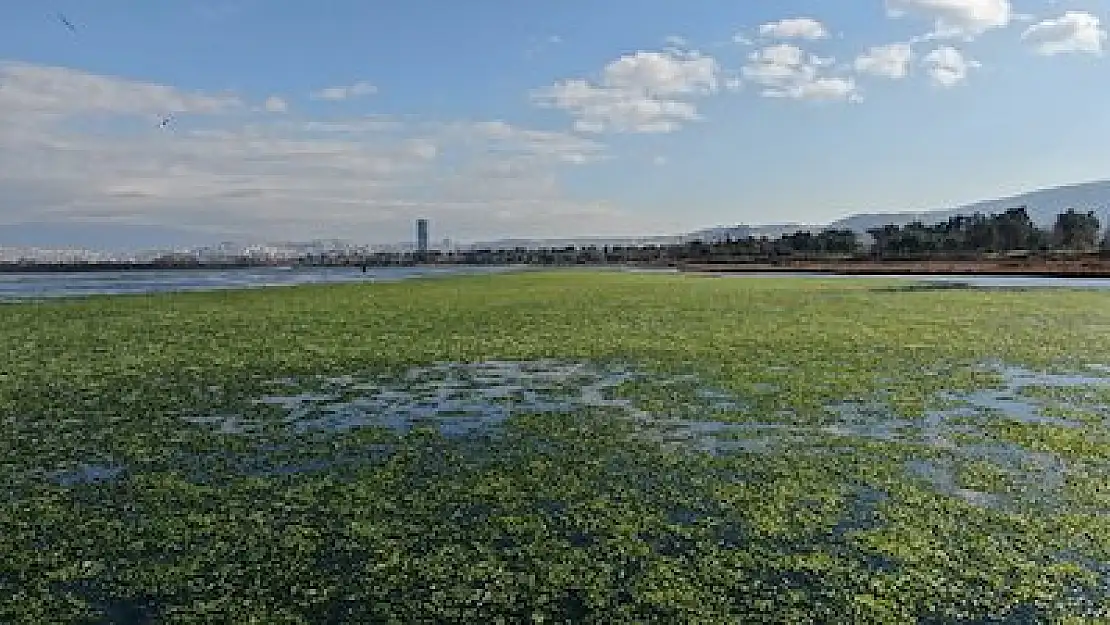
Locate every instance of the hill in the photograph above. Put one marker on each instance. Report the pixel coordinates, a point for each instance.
(1043, 206)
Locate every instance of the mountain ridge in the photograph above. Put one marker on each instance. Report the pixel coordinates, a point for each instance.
(1043, 205)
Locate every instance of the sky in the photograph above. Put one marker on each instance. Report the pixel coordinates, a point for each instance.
(290, 120)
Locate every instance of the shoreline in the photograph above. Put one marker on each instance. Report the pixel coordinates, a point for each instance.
(1041, 268)
(1059, 269)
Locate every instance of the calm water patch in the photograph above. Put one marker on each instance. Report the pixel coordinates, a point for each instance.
(47, 285)
(941, 475)
(24, 286)
(474, 401)
(87, 473)
(942, 281)
(457, 399)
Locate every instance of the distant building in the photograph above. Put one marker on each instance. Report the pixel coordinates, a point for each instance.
(422, 236)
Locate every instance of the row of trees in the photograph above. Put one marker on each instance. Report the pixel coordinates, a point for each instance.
(826, 243)
(1010, 231)
(960, 237)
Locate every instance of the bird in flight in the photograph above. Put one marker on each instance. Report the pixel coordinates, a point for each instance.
(68, 24)
(165, 121)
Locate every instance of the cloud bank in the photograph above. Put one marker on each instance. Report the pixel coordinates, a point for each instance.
(80, 147)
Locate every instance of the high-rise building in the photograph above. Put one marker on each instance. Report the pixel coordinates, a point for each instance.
(422, 236)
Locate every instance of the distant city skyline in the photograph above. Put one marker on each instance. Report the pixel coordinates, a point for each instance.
(187, 123)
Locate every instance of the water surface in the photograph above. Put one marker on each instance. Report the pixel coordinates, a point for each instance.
(22, 286)
(973, 281)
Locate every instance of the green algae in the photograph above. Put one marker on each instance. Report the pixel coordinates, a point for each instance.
(123, 504)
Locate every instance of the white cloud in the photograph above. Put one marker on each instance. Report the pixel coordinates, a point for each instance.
(787, 71)
(795, 28)
(353, 126)
(1074, 31)
(956, 18)
(947, 66)
(890, 61)
(646, 92)
(499, 137)
(275, 104)
(76, 147)
(422, 148)
(44, 92)
(825, 88)
(346, 92)
(663, 74)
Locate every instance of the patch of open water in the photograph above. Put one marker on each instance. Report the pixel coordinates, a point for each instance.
(455, 398)
(471, 400)
(87, 473)
(32, 286)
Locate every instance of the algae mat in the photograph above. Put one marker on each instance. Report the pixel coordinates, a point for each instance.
(558, 447)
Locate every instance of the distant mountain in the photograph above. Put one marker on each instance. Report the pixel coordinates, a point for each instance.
(1043, 206)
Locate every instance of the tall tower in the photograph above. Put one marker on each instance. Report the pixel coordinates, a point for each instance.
(422, 236)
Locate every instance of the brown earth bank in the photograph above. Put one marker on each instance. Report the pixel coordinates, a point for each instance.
(1086, 268)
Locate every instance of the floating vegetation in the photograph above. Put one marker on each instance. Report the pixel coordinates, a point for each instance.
(558, 447)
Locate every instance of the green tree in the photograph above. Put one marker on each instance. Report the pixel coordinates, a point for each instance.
(1016, 231)
(1076, 231)
(885, 239)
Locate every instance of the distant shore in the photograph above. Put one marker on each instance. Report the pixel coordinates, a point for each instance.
(1085, 268)
(1089, 266)
(116, 266)
(29, 268)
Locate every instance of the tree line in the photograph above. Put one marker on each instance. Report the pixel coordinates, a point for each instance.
(1009, 231)
(963, 237)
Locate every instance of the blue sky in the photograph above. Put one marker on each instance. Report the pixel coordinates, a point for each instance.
(499, 119)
